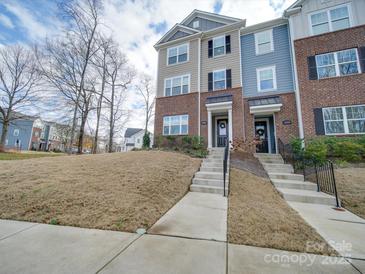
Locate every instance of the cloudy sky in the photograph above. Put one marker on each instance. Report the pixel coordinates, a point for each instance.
(136, 24)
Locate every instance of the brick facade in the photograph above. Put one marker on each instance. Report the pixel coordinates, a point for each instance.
(336, 91)
(287, 115)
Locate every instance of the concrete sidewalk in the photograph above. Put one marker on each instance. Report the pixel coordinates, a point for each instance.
(197, 215)
(343, 230)
(40, 248)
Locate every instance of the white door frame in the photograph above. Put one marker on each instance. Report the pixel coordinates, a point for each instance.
(216, 118)
(267, 120)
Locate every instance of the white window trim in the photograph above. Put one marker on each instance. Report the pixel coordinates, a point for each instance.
(224, 45)
(169, 134)
(181, 79)
(258, 70)
(177, 60)
(271, 42)
(337, 64)
(327, 10)
(345, 121)
(196, 24)
(18, 132)
(225, 78)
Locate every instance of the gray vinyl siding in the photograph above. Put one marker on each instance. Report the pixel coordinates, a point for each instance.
(280, 57)
(205, 24)
(190, 67)
(177, 35)
(301, 22)
(228, 61)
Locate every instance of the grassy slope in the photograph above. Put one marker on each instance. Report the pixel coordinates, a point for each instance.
(119, 191)
(258, 216)
(26, 155)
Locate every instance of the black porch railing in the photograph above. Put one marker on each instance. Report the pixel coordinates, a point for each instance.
(322, 173)
(225, 164)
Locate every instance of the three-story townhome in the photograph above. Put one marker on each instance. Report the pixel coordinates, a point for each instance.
(329, 44)
(268, 84)
(199, 89)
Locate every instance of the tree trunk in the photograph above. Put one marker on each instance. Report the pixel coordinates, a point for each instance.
(111, 122)
(4, 133)
(98, 113)
(81, 133)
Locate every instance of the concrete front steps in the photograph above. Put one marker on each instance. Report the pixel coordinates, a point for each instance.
(209, 178)
(292, 186)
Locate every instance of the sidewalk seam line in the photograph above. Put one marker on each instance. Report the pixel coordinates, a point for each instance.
(186, 237)
(116, 255)
(350, 263)
(17, 232)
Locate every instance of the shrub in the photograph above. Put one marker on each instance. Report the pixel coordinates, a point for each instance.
(197, 143)
(348, 151)
(158, 141)
(146, 140)
(297, 148)
(316, 150)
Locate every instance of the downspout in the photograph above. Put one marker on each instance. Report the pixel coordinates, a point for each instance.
(297, 92)
(199, 68)
(241, 82)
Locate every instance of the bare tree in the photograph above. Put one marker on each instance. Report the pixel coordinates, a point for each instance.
(120, 75)
(145, 90)
(19, 79)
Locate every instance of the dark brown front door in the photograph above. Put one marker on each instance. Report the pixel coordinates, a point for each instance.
(222, 132)
(261, 133)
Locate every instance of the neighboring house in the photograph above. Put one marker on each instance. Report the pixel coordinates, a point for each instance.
(329, 44)
(223, 81)
(20, 132)
(133, 138)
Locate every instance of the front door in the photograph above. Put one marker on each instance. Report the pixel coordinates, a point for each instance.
(222, 132)
(262, 134)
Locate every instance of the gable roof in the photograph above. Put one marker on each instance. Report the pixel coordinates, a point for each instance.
(184, 25)
(131, 131)
(210, 16)
(294, 8)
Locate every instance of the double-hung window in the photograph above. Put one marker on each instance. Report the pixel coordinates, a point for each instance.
(264, 42)
(219, 46)
(16, 132)
(266, 78)
(344, 120)
(177, 85)
(177, 55)
(175, 125)
(330, 20)
(338, 63)
(219, 79)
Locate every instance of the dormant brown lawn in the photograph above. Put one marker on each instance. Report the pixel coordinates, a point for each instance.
(119, 191)
(258, 216)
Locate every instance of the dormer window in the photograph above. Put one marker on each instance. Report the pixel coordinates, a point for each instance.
(177, 54)
(196, 24)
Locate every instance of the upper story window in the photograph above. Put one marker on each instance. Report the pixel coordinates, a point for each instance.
(219, 79)
(196, 24)
(264, 42)
(177, 54)
(266, 78)
(330, 20)
(16, 132)
(175, 125)
(344, 120)
(219, 46)
(338, 63)
(177, 85)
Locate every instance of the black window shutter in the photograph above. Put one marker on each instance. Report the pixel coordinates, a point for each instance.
(361, 52)
(229, 78)
(318, 121)
(210, 81)
(228, 44)
(312, 68)
(210, 48)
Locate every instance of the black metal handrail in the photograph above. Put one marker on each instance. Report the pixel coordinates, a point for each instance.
(323, 171)
(225, 163)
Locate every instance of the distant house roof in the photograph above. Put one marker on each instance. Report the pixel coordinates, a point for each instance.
(131, 131)
(20, 116)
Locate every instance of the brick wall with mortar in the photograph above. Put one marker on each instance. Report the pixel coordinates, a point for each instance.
(336, 91)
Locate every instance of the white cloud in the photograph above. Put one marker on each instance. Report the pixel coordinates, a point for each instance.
(6, 21)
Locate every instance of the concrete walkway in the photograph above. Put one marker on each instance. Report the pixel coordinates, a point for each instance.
(343, 230)
(40, 248)
(196, 215)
